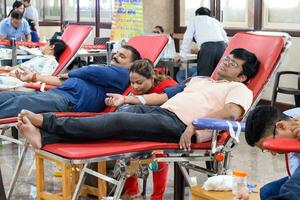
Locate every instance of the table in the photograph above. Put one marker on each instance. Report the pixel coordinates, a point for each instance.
(199, 193)
(6, 55)
(19, 57)
(4, 60)
(92, 53)
(171, 65)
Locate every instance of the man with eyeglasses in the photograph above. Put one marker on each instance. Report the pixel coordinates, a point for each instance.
(167, 117)
(267, 122)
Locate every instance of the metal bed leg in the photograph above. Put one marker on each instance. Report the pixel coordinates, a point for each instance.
(144, 187)
(227, 161)
(17, 171)
(80, 182)
(186, 176)
(14, 133)
(119, 188)
(178, 183)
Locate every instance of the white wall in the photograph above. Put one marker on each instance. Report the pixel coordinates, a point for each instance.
(291, 62)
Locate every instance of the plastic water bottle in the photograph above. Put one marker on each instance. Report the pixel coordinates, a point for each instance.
(239, 181)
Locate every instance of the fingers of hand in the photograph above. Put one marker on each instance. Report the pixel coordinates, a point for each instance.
(185, 142)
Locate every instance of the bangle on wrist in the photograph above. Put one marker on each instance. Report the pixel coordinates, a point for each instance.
(33, 79)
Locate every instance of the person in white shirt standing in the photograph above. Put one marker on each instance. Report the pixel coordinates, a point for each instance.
(210, 38)
(31, 13)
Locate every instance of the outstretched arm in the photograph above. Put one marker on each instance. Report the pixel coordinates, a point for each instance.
(153, 99)
(230, 111)
(149, 99)
(28, 76)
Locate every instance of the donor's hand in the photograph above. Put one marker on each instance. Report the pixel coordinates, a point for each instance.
(114, 99)
(24, 74)
(185, 139)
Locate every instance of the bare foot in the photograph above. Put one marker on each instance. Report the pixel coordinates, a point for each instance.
(35, 119)
(30, 132)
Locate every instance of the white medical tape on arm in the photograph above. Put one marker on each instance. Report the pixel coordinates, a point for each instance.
(141, 99)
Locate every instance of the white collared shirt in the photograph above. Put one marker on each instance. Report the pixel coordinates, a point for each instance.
(204, 29)
(44, 65)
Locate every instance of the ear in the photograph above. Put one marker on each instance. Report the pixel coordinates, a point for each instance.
(52, 46)
(282, 125)
(242, 78)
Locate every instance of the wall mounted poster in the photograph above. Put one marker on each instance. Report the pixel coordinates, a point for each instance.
(127, 20)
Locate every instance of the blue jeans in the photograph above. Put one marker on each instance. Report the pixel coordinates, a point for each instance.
(285, 188)
(180, 76)
(11, 103)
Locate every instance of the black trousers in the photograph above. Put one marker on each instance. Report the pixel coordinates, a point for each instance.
(139, 122)
(208, 57)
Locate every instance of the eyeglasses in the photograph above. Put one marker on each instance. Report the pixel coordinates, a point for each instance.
(274, 135)
(229, 62)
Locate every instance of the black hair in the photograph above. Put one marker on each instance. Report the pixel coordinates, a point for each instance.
(31, 24)
(15, 5)
(251, 65)
(203, 11)
(16, 15)
(59, 47)
(135, 54)
(261, 122)
(160, 28)
(145, 68)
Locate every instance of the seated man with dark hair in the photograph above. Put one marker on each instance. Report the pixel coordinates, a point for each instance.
(81, 90)
(15, 27)
(267, 122)
(225, 97)
(47, 62)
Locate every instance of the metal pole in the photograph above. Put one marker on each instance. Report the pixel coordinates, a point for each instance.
(109, 47)
(14, 52)
(17, 171)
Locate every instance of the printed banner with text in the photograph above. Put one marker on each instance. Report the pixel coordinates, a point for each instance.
(127, 19)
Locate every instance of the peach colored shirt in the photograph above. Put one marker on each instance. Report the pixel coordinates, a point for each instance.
(203, 96)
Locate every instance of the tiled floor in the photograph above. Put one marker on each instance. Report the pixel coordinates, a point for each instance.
(262, 167)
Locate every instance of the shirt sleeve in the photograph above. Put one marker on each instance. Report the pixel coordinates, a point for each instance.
(26, 28)
(2, 28)
(35, 16)
(172, 91)
(103, 76)
(187, 39)
(240, 95)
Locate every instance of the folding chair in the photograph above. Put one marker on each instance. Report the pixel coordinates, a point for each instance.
(153, 53)
(270, 50)
(291, 91)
